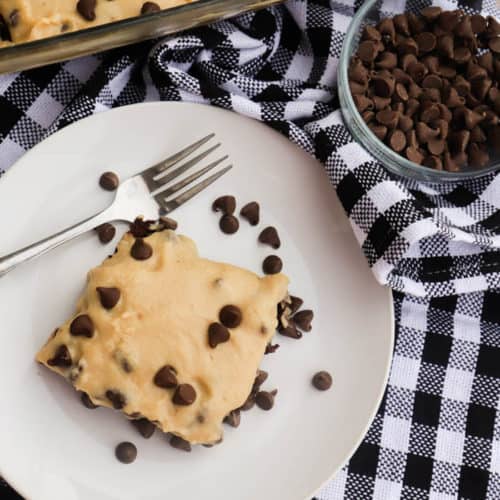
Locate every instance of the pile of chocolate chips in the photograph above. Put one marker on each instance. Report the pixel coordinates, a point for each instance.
(428, 86)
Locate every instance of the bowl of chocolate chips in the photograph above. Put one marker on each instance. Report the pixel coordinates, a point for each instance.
(420, 90)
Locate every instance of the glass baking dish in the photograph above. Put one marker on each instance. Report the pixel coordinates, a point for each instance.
(107, 36)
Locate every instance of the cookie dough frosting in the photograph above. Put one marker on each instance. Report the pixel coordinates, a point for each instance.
(28, 20)
(163, 334)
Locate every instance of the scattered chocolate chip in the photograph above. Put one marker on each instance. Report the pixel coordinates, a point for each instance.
(296, 304)
(116, 398)
(290, 331)
(141, 250)
(184, 395)
(233, 418)
(322, 381)
(145, 427)
(109, 296)
(61, 358)
(230, 316)
(272, 264)
(87, 402)
(251, 212)
(166, 377)
(179, 444)
(229, 224)
(225, 204)
(126, 452)
(265, 400)
(141, 228)
(271, 348)
(217, 334)
(168, 223)
(303, 319)
(105, 232)
(269, 236)
(150, 8)
(109, 181)
(82, 326)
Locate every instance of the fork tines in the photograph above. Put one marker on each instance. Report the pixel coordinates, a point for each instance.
(158, 176)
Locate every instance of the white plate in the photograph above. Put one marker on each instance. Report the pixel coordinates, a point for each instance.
(52, 448)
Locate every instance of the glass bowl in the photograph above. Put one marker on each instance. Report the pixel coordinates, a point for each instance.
(370, 13)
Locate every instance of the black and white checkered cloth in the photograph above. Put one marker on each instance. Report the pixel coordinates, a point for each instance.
(437, 433)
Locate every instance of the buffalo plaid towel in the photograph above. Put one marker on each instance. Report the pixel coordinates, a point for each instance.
(437, 432)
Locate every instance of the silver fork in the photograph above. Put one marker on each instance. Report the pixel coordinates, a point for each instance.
(148, 193)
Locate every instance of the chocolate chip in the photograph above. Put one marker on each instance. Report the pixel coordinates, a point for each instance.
(322, 381)
(387, 60)
(126, 452)
(303, 319)
(105, 232)
(290, 331)
(371, 33)
(383, 85)
(86, 8)
(388, 118)
(179, 443)
(14, 18)
(82, 326)
(296, 303)
(166, 377)
(397, 140)
(269, 236)
(405, 123)
(116, 398)
(424, 132)
(109, 296)
(109, 181)
(61, 358)
(426, 42)
(141, 228)
(431, 13)
(436, 146)
(249, 403)
(478, 23)
(168, 223)
(271, 348)
(459, 140)
(87, 402)
(368, 50)
(150, 8)
(229, 224)
(362, 102)
(233, 418)
(230, 316)
(251, 212)
(272, 264)
(225, 204)
(217, 334)
(145, 427)
(380, 131)
(265, 400)
(414, 155)
(184, 395)
(141, 250)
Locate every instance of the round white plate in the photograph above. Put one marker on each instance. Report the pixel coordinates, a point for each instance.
(52, 448)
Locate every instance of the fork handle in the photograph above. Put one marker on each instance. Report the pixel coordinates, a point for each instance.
(12, 260)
